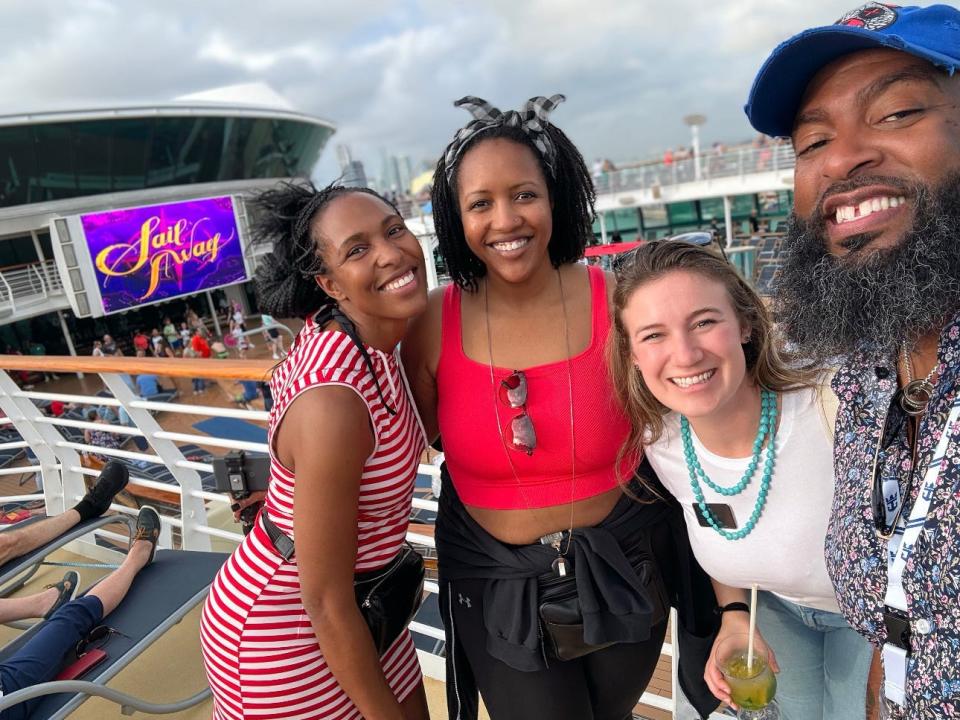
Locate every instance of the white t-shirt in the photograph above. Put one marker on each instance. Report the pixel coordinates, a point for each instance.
(784, 552)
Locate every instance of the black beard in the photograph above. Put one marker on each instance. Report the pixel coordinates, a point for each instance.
(871, 300)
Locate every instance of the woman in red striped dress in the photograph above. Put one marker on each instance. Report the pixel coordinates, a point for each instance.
(285, 639)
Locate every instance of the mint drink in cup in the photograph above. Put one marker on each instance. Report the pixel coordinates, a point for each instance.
(752, 685)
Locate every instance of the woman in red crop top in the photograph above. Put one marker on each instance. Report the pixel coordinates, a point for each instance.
(507, 365)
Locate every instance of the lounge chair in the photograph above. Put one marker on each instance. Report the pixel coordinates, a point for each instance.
(161, 595)
(16, 571)
(162, 397)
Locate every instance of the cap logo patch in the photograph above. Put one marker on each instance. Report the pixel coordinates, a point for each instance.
(872, 16)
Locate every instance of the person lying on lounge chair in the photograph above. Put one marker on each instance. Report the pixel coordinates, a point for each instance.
(70, 622)
(21, 540)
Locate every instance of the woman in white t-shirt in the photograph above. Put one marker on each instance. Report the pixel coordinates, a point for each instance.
(741, 439)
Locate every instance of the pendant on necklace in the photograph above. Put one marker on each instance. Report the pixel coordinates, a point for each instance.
(560, 566)
(915, 396)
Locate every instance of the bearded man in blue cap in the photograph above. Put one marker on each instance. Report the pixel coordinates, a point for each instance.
(871, 277)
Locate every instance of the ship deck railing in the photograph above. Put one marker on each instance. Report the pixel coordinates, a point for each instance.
(190, 516)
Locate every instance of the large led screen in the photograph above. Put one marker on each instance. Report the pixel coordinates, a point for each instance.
(150, 254)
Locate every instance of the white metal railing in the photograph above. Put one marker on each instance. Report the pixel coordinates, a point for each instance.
(29, 284)
(58, 463)
(737, 162)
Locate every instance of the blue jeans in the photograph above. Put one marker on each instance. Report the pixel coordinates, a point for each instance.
(199, 384)
(41, 658)
(823, 661)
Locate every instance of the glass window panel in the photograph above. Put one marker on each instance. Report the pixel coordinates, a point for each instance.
(266, 150)
(52, 161)
(775, 203)
(92, 146)
(627, 219)
(166, 146)
(131, 144)
(711, 208)
(44, 237)
(203, 150)
(11, 250)
(18, 164)
(237, 133)
(654, 216)
(742, 205)
(55, 177)
(682, 213)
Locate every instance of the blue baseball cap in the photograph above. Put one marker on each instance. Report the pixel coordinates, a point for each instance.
(931, 33)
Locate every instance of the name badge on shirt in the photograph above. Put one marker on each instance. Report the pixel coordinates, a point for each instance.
(723, 514)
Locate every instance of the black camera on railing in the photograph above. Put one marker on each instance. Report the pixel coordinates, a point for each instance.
(240, 475)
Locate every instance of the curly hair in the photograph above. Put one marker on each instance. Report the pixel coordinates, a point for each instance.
(571, 192)
(286, 279)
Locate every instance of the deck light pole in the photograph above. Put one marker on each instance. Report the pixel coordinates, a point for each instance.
(695, 121)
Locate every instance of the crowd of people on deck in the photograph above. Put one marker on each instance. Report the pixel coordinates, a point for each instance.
(619, 443)
(616, 444)
(192, 338)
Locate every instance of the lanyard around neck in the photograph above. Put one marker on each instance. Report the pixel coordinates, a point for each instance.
(901, 544)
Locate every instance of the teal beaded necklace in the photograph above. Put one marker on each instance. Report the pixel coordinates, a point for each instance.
(766, 429)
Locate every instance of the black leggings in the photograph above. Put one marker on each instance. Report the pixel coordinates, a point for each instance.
(604, 685)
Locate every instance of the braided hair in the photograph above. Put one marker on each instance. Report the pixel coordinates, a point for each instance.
(286, 279)
(571, 192)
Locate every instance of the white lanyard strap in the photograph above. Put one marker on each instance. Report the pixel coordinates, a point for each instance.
(900, 546)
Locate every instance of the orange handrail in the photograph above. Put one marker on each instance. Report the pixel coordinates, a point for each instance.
(166, 367)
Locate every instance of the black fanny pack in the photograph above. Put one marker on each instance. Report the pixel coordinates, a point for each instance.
(561, 619)
(388, 597)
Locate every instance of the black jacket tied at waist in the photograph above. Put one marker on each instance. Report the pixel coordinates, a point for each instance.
(616, 604)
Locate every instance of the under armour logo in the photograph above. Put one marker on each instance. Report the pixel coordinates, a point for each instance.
(464, 600)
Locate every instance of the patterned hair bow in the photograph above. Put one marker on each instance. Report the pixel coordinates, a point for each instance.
(531, 119)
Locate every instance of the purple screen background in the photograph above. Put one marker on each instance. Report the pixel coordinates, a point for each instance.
(200, 220)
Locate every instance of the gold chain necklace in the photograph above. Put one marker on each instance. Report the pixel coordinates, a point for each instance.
(916, 393)
(553, 539)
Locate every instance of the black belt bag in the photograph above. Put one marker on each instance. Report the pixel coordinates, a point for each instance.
(388, 597)
(561, 619)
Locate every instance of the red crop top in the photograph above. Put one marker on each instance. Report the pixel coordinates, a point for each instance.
(474, 449)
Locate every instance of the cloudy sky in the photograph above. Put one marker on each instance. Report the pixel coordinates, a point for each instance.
(387, 71)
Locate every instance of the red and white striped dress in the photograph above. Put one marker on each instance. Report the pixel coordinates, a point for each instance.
(261, 654)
